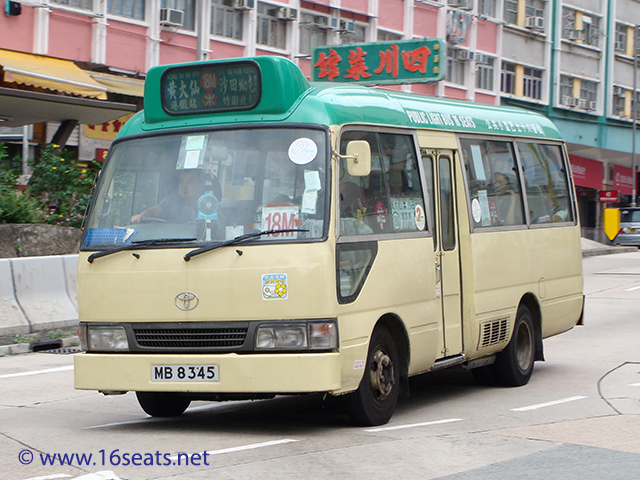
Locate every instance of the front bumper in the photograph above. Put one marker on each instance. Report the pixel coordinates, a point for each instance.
(250, 373)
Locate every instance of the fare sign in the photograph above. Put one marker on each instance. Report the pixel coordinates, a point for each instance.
(210, 88)
(409, 61)
(609, 196)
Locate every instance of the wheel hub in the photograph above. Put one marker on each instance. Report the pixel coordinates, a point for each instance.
(382, 375)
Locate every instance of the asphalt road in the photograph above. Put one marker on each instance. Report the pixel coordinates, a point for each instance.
(579, 417)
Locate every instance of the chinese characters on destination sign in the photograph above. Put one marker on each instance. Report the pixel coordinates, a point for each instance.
(211, 88)
(411, 61)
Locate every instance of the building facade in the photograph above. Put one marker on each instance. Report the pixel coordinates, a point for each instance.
(571, 60)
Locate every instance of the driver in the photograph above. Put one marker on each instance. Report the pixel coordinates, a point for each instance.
(180, 206)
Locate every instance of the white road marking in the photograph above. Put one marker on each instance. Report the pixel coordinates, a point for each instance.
(634, 384)
(547, 404)
(632, 289)
(243, 447)
(38, 372)
(413, 425)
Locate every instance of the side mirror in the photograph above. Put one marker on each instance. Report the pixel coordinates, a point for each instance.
(358, 158)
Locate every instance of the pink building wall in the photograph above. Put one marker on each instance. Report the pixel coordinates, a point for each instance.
(425, 21)
(182, 48)
(225, 50)
(16, 33)
(391, 14)
(428, 89)
(356, 5)
(126, 45)
(457, 93)
(484, 98)
(487, 40)
(70, 36)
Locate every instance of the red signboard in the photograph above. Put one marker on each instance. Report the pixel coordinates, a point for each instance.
(609, 196)
(586, 172)
(622, 179)
(101, 154)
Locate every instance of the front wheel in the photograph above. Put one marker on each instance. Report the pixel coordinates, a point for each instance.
(514, 365)
(374, 402)
(162, 404)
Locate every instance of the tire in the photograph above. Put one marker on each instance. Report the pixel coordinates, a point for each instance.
(514, 365)
(374, 402)
(162, 404)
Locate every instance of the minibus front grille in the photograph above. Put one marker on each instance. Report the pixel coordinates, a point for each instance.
(191, 337)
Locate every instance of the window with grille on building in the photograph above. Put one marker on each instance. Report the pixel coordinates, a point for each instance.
(588, 94)
(508, 78)
(455, 68)
(225, 20)
(127, 8)
(532, 83)
(511, 11)
(484, 73)
(385, 36)
(355, 33)
(534, 9)
(636, 105)
(487, 8)
(620, 45)
(271, 31)
(188, 7)
(569, 31)
(619, 97)
(313, 32)
(591, 30)
(83, 4)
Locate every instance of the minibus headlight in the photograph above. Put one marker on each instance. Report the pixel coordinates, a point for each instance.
(107, 339)
(314, 335)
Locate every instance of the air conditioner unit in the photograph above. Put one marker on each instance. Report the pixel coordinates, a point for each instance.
(320, 21)
(570, 101)
(535, 23)
(621, 113)
(575, 34)
(593, 105)
(619, 91)
(347, 26)
(170, 17)
(482, 58)
(243, 4)
(285, 13)
(464, 55)
(583, 103)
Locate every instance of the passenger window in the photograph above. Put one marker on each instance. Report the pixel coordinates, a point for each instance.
(546, 183)
(494, 184)
(389, 199)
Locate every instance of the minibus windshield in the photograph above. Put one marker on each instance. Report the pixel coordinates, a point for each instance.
(211, 186)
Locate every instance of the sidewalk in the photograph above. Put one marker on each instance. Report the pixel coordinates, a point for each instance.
(591, 248)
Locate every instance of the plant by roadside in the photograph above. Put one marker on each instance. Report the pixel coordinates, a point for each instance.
(15, 208)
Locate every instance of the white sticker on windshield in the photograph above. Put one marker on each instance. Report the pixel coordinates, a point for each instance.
(303, 151)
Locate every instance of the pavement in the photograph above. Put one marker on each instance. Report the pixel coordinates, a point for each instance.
(590, 248)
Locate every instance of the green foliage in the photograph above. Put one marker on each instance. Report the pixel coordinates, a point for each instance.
(14, 208)
(64, 187)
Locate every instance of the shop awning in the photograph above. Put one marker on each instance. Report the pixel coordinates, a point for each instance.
(118, 84)
(49, 73)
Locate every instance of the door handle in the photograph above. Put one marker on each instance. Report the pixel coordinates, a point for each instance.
(438, 272)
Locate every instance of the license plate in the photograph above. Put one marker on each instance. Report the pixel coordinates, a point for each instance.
(185, 373)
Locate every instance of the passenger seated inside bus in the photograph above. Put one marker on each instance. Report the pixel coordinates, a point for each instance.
(352, 210)
(182, 206)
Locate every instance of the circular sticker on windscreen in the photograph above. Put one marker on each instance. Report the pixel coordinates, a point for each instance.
(303, 151)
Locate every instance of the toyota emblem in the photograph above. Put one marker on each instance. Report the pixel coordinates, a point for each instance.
(187, 301)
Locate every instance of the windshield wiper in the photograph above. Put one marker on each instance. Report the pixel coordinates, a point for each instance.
(239, 239)
(137, 245)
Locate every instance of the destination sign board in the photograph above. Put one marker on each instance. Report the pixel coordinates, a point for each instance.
(211, 88)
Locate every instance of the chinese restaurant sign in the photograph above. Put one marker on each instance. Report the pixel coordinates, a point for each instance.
(196, 89)
(408, 61)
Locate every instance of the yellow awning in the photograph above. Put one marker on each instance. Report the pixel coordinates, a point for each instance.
(119, 84)
(49, 73)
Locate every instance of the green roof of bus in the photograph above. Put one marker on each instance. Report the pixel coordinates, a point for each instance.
(287, 96)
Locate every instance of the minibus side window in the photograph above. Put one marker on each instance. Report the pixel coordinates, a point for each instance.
(546, 183)
(386, 200)
(494, 184)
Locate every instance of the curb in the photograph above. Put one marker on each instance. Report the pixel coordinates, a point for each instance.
(21, 348)
(594, 252)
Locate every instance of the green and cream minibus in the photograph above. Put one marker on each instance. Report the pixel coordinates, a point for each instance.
(253, 234)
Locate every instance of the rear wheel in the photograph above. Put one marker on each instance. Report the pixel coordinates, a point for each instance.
(374, 402)
(162, 404)
(514, 365)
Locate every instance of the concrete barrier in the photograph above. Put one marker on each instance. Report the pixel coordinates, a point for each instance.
(38, 293)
